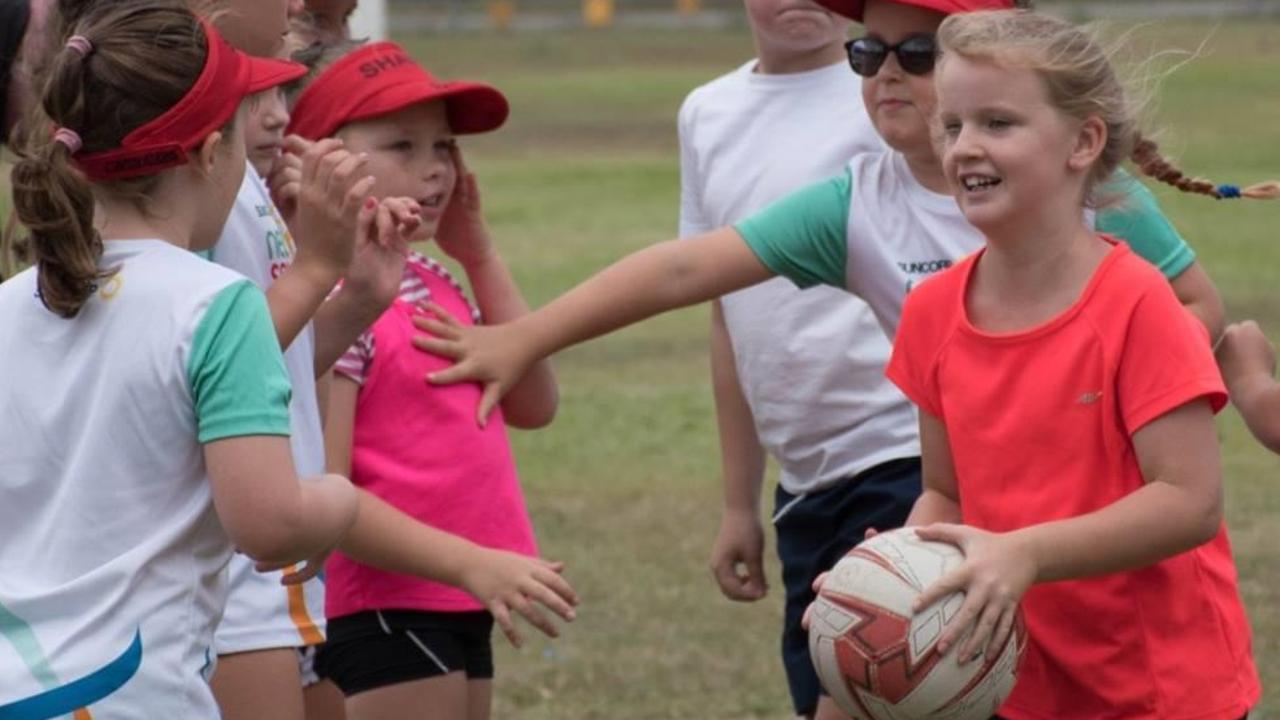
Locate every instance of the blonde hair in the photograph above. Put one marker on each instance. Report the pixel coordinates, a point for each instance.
(1075, 70)
(1078, 74)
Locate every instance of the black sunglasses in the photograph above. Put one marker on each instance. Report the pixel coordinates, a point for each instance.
(916, 54)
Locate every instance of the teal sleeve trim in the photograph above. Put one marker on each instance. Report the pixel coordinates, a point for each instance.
(1138, 220)
(236, 371)
(804, 236)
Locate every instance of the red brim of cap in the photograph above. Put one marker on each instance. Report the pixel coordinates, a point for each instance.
(853, 9)
(470, 107)
(266, 73)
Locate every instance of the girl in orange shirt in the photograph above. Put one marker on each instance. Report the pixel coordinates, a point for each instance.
(1067, 404)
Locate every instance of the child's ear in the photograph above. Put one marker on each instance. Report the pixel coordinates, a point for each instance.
(208, 150)
(1091, 140)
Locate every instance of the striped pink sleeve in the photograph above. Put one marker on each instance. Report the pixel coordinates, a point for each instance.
(354, 363)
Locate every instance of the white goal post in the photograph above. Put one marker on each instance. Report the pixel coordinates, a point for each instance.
(370, 20)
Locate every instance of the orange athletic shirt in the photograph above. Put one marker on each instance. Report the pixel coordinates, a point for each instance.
(1040, 424)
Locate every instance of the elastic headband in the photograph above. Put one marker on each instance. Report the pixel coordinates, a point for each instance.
(68, 137)
(381, 78)
(80, 44)
(227, 77)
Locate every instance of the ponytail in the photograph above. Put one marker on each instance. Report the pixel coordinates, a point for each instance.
(117, 66)
(1146, 156)
(53, 200)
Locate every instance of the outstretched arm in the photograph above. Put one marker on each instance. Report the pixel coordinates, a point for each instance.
(666, 276)
(1248, 362)
(464, 236)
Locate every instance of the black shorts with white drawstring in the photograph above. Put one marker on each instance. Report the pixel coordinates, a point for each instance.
(376, 648)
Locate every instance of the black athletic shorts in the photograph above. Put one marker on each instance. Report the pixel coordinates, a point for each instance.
(376, 648)
(816, 530)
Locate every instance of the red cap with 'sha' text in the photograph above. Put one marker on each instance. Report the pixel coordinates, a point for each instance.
(381, 78)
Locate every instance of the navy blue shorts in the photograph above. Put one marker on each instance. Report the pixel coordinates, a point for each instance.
(376, 648)
(816, 530)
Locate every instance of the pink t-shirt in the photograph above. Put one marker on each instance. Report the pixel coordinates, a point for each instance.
(418, 447)
(1040, 424)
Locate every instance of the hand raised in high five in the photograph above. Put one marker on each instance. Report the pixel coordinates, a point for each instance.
(384, 230)
(331, 188)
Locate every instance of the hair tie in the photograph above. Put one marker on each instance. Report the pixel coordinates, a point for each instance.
(1228, 192)
(70, 138)
(80, 44)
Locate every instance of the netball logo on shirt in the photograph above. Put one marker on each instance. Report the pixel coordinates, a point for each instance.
(280, 245)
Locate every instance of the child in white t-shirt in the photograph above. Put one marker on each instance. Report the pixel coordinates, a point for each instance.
(145, 416)
(798, 375)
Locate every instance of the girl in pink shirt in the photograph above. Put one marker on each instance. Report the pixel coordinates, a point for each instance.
(1066, 405)
(398, 642)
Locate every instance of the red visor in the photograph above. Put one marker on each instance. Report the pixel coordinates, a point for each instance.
(381, 78)
(853, 8)
(228, 76)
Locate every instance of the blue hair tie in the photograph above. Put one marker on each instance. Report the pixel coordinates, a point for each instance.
(1228, 192)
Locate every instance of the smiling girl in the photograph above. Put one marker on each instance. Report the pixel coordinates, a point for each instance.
(1083, 464)
(397, 642)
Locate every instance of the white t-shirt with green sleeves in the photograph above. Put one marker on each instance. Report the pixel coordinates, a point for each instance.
(876, 232)
(810, 363)
(261, 613)
(111, 556)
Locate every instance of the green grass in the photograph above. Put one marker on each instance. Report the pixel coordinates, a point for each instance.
(625, 486)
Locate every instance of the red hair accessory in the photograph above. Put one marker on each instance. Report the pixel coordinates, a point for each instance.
(228, 76)
(381, 78)
(852, 9)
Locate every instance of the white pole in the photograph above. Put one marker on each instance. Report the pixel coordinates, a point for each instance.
(370, 20)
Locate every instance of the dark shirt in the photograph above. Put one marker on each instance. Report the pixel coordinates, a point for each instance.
(14, 15)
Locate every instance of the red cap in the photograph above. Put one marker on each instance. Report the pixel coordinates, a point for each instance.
(227, 77)
(853, 8)
(381, 78)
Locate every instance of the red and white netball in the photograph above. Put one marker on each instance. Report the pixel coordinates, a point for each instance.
(878, 660)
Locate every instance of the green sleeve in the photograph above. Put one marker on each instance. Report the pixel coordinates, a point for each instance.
(236, 372)
(1138, 220)
(803, 237)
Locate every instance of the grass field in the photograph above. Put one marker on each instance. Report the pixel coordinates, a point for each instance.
(625, 486)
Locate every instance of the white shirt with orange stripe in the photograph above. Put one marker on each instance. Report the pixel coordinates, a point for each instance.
(261, 613)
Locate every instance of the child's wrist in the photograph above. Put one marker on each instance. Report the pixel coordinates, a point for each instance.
(1025, 542)
(1245, 387)
(737, 509)
(320, 270)
(478, 259)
